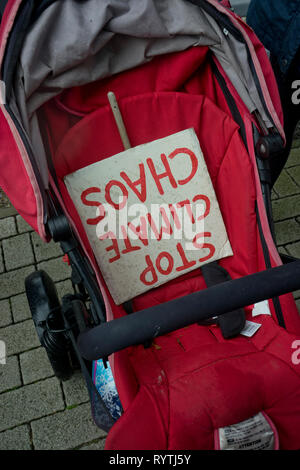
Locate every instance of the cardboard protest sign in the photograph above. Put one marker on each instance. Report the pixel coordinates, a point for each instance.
(150, 213)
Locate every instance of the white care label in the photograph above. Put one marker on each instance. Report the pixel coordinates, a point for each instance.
(150, 213)
(261, 308)
(255, 433)
(250, 328)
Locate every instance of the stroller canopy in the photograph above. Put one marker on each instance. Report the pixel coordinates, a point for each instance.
(73, 43)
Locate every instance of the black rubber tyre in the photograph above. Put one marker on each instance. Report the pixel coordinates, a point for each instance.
(46, 314)
(61, 365)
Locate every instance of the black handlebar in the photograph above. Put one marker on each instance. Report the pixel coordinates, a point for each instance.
(145, 325)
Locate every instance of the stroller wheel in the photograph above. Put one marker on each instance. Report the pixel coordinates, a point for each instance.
(46, 314)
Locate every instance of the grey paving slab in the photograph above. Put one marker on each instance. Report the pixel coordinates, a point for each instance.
(75, 390)
(294, 249)
(19, 337)
(296, 295)
(66, 430)
(285, 185)
(295, 173)
(294, 157)
(22, 226)
(16, 439)
(35, 365)
(44, 251)
(283, 250)
(64, 287)
(296, 141)
(20, 308)
(10, 376)
(17, 252)
(13, 282)
(1, 260)
(30, 402)
(286, 208)
(7, 227)
(56, 268)
(287, 231)
(98, 445)
(5, 313)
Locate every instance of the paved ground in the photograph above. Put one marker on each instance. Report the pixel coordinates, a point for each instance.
(37, 411)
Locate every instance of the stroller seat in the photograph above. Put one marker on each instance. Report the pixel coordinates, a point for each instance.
(225, 382)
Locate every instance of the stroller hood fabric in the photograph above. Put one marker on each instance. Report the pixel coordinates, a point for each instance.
(72, 43)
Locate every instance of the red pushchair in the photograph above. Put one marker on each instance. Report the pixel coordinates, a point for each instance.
(210, 358)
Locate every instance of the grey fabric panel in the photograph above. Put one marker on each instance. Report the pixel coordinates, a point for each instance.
(78, 42)
(233, 57)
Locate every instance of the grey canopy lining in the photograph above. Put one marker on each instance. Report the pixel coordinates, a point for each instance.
(76, 42)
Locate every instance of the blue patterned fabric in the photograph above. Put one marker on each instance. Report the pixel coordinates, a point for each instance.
(106, 387)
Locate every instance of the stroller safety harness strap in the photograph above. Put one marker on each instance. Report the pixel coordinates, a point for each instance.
(232, 323)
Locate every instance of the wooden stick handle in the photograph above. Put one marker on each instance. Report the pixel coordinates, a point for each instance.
(119, 120)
